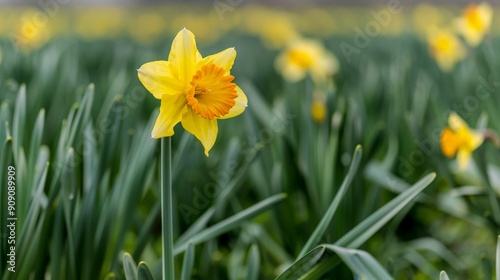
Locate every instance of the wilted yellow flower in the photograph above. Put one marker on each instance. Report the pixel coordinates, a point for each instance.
(306, 56)
(446, 49)
(193, 90)
(459, 139)
(475, 22)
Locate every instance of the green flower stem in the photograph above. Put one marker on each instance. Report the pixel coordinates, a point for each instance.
(166, 209)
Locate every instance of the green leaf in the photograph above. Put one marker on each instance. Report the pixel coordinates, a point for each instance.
(443, 276)
(304, 264)
(5, 116)
(332, 152)
(67, 196)
(36, 141)
(129, 267)
(317, 262)
(361, 263)
(325, 221)
(364, 230)
(19, 122)
(253, 266)
(187, 265)
(436, 247)
(143, 272)
(231, 222)
(497, 262)
(197, 226)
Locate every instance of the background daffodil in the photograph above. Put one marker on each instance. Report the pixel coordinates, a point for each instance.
(475, 22)
(459, 139)
(446, 48)
(304, 56)
(193, 90)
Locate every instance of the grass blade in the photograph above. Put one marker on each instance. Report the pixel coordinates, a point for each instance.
(129, 267)
(253, 266)
(231, 222)
(361, 263)
(497, 262)
(443, 276)
(325, 221)
(187, 265)
(364, 230)
(304, 264)
(19, 122)
(143, 272)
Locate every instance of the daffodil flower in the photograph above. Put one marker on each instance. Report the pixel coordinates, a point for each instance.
(459, 139)
(318, 106)
(475, 22)
(304, 56)
(193, 90)
(446, 48)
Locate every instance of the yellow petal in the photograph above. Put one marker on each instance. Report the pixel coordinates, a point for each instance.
(205, 130)
(463, 158)
(449, 142)
(223, 59)
(476, 139)
(171, 110)
(240, 105)
(184, 55)
(157, 78)
(456, 122)
(290, 71)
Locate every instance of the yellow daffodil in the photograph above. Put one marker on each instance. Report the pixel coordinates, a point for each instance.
(193, 90)
(475, 22)
(274, 28)
(318, 107)
(306, 56)
(446, 49)
(459, 139)
(427, 16)
(318, 111)
(147, 26)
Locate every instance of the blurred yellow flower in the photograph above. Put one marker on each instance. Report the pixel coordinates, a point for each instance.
(318, 110)
(275, 28)
(147, 26)
(101, 22)
(427, 16)
(459, 139)
(475, 22)
(193, 90)
(304, 56)
(446, 48)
